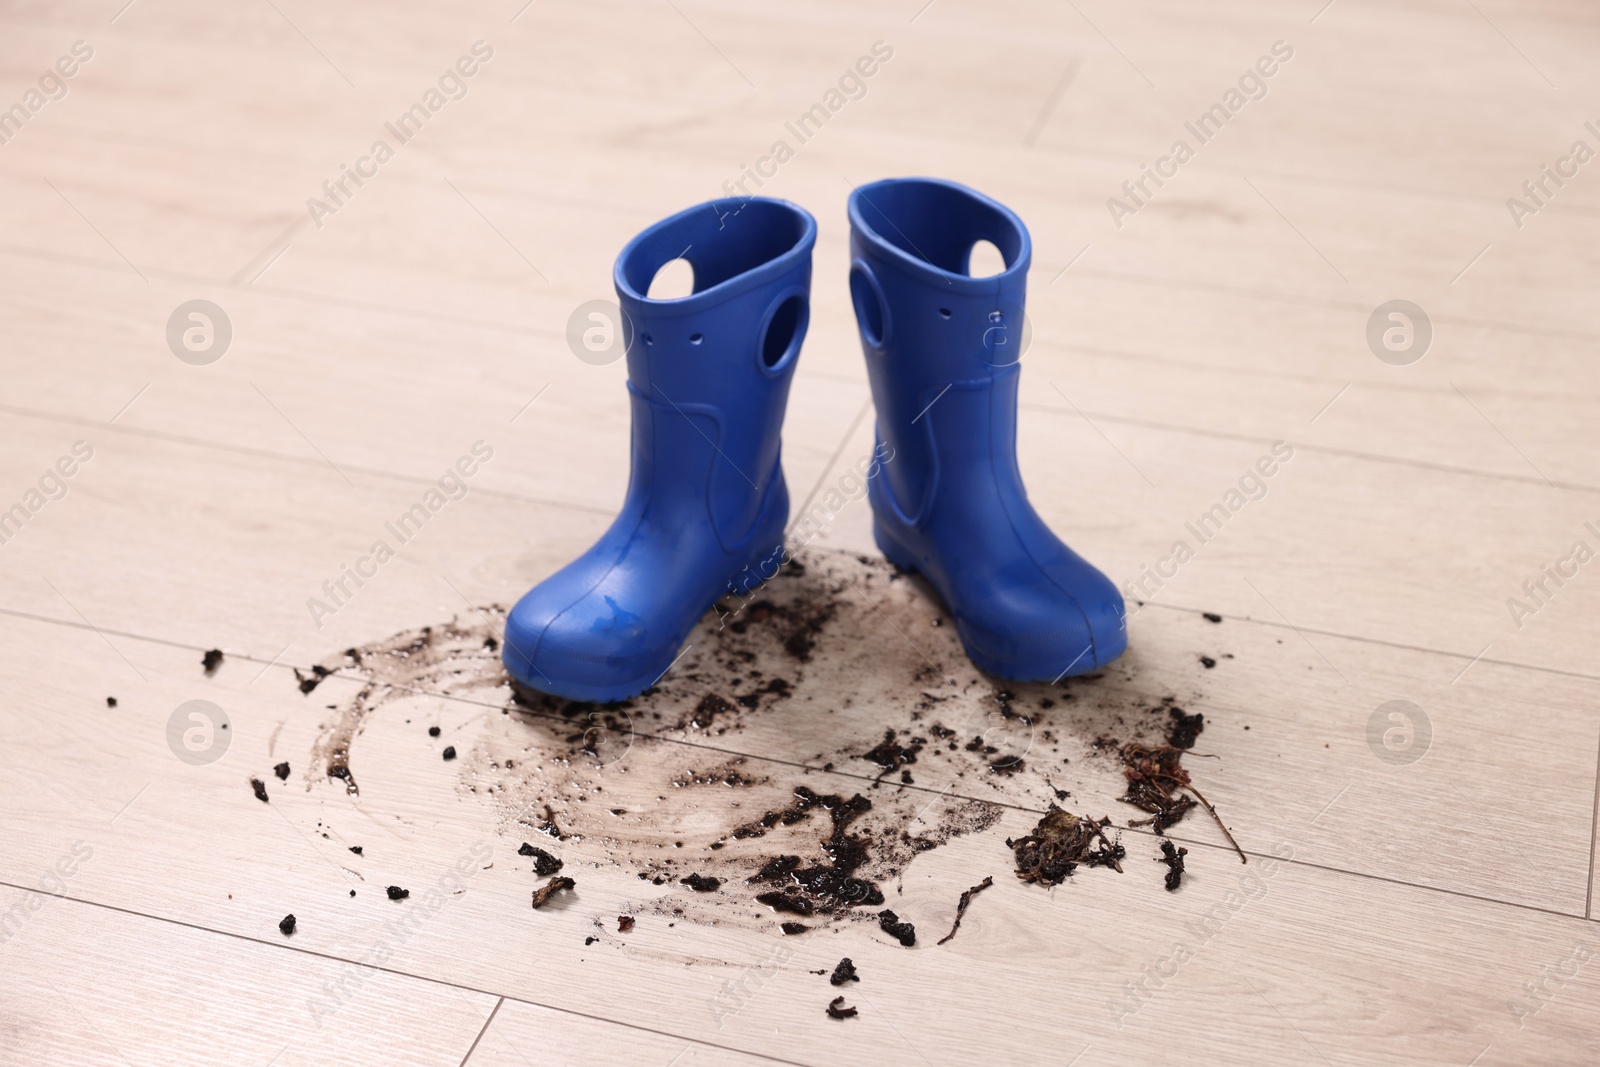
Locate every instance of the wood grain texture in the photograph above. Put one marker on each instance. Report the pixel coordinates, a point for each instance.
(1436, 912)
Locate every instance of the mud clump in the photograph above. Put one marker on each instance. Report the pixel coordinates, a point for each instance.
(1153, 773)
(1172, 856)
(211, 661)
(396, 893)
(1060, 843)
(837, 1010)
(1185, 728)
(891, 755)
(286, 925)
(282, 771)
(902, 932)
(701, 884)
(310, 679)
(542, 895)
(543, 862)
(260, 789)
(706, 712)
(844, 972)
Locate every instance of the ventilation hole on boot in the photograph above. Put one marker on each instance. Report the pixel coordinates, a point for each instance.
(869, 306)
(995, 316)
(673, 281)
(696, 338)
(984, 260)
(944, 313)
(647, 339)
(784, 330)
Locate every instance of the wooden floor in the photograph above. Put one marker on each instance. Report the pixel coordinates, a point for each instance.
(1423, 896)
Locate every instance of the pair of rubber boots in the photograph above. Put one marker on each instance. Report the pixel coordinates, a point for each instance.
(708, 377)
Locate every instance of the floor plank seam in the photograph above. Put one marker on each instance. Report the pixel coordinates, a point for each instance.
(1594, 835)
(403, 311)
(442, 983)
(485, 1029)
(260, 453)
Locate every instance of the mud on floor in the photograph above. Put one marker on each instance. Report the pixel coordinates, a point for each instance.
(839, 664)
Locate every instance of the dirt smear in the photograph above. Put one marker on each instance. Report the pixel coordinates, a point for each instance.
(882, 742)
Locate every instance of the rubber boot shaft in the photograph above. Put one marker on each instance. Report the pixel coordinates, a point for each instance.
(942, 356)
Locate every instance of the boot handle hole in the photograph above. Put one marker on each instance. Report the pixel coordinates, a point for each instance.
(871, 315)
(984, 260)
(784, 330)
(673, 280)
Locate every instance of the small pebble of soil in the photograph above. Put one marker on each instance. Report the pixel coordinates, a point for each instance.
(793, 928)
(1212, 617)
(356, 849)
(1207, 662)
(543, 862)
(624, 923)
(282, 771)
(845, 972)
(396, 893)
(904, 933)
(111, 702)
(837, 1010)
(260, 788)
(542, 895)
(286, 925)
(211, 660)
(433, 731)
(450, 752)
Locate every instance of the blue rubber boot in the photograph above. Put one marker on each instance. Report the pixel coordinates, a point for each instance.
(941, 354)
(708, 376)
